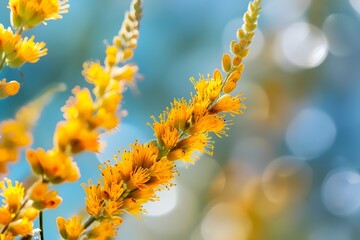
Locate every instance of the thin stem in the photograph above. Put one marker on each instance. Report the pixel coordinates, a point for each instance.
(15, 217)
(41, 225)
(89, 222)
(2, 61)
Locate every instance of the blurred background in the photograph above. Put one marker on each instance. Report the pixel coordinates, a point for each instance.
(290, 166)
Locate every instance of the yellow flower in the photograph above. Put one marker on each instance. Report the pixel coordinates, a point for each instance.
(209, 89)
(30, 213)
(179, 114)
(14, 134)
(6, 236)
(8, 88)
(8, 40)
(5, 216)
(81, 106)
(44, 198)
(26, 51)
(13, 194)
(209, 123)
(185, 149)
(70, 229)
(229, 104)
(94, 199)
(29, 13)
(55, 166)
(105, 229)
(113, 208)
(126, 72)
(161, 172)
(73, 137)
(21, 227)
(166, 134)
(95, 74)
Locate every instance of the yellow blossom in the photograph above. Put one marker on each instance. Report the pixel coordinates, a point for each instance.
(81, 106)
(70, 229)
(30, 213)
(179, 114)
(8, 40)
(185, 148)
(21, 227)
(229, 104)
(26, 51)
(8, 88)
(5, 216)
(209, 123)
(29, 13)
(95, 74)
(73, 137)
(166, 134)
(126, 72)
(13, 194)
(94, 200)
(44, 198)
(55, 166)
(105, 229)
(6, 236)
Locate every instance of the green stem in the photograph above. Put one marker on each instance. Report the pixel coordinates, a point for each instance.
(89, 222)
(2, 61)
(41, 225)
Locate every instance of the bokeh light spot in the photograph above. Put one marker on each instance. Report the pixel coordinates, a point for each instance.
(356, 5)
(340, 192)
(167, 202)
(286, 179)
(342, 33)
(310, 133)
(303, 45)
(225, 221)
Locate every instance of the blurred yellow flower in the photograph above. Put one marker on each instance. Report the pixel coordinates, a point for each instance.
(29, 13)
(8, 88)
(55, 166)
(72, 137)
(6, 236)
(43, 197)
(5, 216)
(95, 74)
(21, 227)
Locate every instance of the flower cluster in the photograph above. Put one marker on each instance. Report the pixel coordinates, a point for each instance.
(16, 50)
(19, 210)
(181, 130)
(87, 116)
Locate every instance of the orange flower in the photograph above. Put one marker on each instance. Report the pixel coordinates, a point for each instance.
(21, 227)
(105, 229)
(44, 198)
(8, 88)
(55, 166)
(70, 229)
(73, 137)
